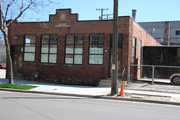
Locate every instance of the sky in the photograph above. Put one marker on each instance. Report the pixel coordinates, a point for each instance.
(147, 10)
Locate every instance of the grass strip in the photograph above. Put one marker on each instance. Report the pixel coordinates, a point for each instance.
(16, 86)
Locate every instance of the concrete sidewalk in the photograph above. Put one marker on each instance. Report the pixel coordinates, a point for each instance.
(65, 89)
(104, 92)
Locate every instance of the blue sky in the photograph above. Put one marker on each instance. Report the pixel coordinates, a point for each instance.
(147, 10)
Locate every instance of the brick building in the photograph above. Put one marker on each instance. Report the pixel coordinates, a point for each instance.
(66, 50)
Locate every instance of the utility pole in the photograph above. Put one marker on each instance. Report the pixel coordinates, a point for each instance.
(107, 15)
(114, 82)
(101, 18)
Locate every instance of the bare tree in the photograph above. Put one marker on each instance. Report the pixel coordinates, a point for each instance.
(10, 11)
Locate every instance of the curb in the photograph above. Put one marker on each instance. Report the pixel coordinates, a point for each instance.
(153, 91)
(95, 96)
(145, 101)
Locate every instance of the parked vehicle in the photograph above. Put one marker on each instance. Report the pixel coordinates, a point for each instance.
(2, 65)
(175, 78)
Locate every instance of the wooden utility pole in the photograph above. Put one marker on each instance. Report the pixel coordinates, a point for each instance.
(107, 16)
(101, 18)
(114, 82)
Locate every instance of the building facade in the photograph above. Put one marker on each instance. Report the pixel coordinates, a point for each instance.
(165, 32)
(66, 50)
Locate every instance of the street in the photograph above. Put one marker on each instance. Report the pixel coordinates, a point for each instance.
(26, 106)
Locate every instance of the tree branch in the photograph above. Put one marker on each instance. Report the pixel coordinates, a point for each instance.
(0, 16)
(21, 12)
(3, 20)
(22, 6)
(8, 9)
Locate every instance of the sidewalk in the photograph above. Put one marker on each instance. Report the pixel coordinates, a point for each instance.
(63, 89)
(130, 93)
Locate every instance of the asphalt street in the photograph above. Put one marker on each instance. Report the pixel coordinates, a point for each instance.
(26, 106)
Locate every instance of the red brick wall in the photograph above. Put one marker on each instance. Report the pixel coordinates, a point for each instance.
(140, 34)
(75, 74)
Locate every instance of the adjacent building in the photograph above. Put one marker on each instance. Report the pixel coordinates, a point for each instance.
(165, 32)
(67, 50)
(2, 52)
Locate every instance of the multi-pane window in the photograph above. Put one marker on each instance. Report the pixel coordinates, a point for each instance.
(29, 48)
(134, 50)
(74, 49)
(140, 45)
(49, 49)
(120, 40)
(96, 49)
(177, 32)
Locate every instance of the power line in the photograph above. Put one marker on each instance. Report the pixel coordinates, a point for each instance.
(107, 16)
(102, 9)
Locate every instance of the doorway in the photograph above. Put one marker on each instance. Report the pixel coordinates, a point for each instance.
(17, 60)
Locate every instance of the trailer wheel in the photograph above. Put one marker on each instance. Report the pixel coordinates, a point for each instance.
(175, 80)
